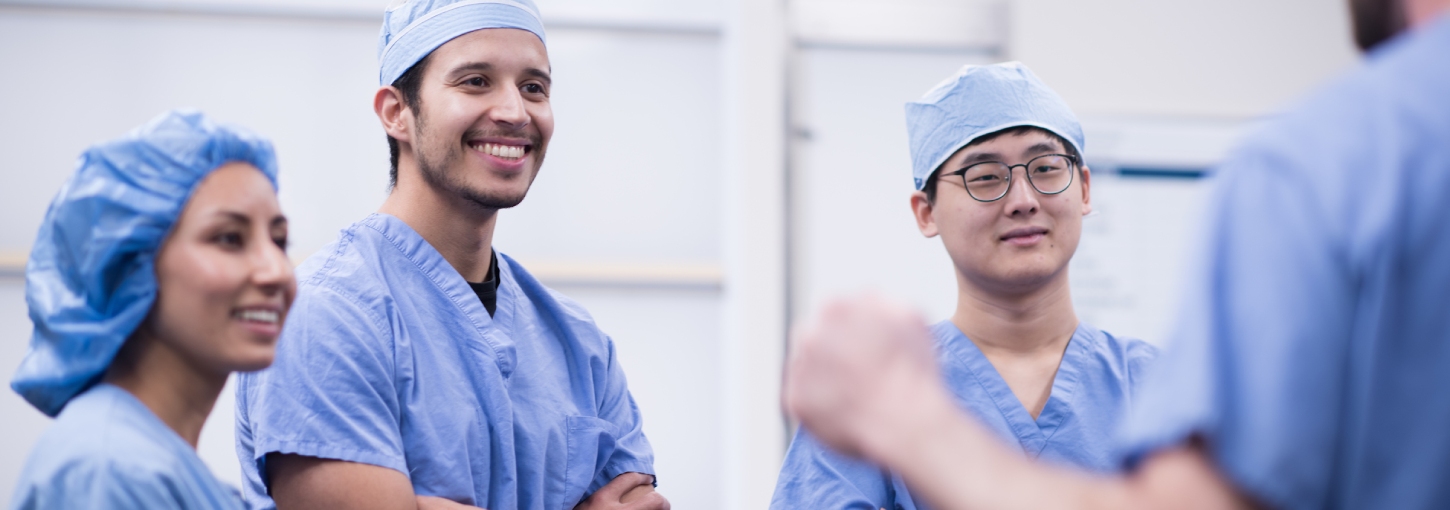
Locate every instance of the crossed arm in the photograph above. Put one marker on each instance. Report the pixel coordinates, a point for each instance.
(862, 378)
(309, 482)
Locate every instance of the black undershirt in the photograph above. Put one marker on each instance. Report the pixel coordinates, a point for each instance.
(487, 290)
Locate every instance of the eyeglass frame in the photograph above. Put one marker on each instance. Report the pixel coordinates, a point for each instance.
(1071, 161)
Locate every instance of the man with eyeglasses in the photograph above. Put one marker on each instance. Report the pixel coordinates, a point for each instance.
(997, 161)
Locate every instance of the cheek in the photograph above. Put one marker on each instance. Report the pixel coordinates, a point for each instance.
(447, 114)
(1067, 219)
(966, 230)
(196, 292)
(543, 117)
(966, 221)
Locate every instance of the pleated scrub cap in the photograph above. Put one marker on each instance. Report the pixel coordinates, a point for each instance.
(980, 100)
(414, 29)
(91, 277)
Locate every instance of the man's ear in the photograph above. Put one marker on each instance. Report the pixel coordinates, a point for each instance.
(921, 208)
(395, 115)
(1087, 197)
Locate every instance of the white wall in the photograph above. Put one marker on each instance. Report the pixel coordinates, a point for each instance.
(1208, 59)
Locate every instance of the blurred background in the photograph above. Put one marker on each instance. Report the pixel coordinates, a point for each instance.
(719, 167)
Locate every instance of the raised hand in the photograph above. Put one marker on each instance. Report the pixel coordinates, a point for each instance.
(857, 372)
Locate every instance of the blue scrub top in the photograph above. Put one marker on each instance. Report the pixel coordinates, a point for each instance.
(1313, 356)
(107, 450)
(389, 358)
(1095, 385)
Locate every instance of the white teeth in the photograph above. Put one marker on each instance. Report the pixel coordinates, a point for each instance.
(266, 316)
(502, 151)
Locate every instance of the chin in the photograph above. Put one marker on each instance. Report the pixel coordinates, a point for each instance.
(496, 198)
(251, 358)
(1029, 277)
(253, 363)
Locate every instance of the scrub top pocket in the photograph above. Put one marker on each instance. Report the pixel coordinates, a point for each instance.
(591, 442)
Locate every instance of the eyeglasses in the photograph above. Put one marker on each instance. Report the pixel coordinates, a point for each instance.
(989, 181)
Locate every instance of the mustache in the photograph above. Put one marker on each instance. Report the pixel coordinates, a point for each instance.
(535, 139)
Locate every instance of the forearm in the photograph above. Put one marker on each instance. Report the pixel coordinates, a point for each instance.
(953, 463)
(309, 482)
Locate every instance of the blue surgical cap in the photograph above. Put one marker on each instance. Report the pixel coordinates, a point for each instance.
(91, 278)
(981, 100)
(413, 30)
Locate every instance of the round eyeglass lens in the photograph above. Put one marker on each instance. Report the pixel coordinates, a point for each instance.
(1050, 174)
(986, 181)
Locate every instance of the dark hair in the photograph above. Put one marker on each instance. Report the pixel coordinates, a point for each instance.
(930, 187)
(1376, 21)
(408, 84)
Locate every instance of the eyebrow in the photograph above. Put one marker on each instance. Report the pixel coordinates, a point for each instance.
(980, 157)
(1034, 149)
(247, 220)
(234, 216)
(1041, 147)
(471, 66)
(485, 67)
(540, 74)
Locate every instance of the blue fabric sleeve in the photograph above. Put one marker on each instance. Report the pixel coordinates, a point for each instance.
(330, 393)
(1257, 365)
(632, 452)
(815, 477)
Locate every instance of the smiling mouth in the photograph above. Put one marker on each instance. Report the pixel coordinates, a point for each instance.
(1023, 233)
(258, 316)
(502, 151)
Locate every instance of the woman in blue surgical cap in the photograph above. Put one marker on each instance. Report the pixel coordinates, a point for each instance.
(159, 270)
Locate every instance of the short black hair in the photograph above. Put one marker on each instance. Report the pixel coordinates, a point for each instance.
(930, 187)
(409, 84)
(1376, 21)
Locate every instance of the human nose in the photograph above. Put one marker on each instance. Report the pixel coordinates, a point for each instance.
(510, 110)
(1020, 199)
(272, 270)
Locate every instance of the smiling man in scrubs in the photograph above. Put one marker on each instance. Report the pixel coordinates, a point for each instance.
(997, 161)
(1309, 368)
(418, 360)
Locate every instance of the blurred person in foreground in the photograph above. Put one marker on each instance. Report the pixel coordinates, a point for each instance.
(1309, 367)
(420, 361)
(997, 164)
(159, 270)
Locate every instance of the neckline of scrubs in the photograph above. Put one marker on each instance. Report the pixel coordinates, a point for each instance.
(493, 329)
(1034, 435)
(139, 410)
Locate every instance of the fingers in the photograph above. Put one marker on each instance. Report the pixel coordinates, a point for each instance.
(637, 492)
(624, 483)
(628, 491)
(852, 362)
